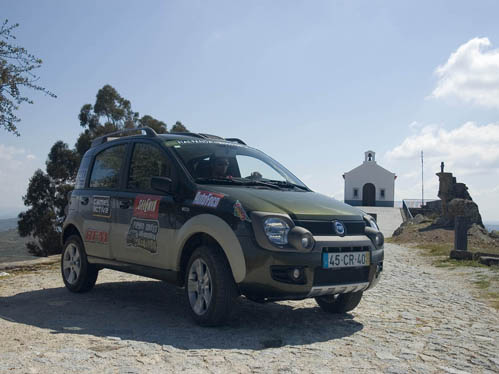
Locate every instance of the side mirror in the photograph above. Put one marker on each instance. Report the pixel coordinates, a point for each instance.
(163, 184)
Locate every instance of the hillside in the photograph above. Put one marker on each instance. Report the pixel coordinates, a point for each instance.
(8, 224)
(13, 247)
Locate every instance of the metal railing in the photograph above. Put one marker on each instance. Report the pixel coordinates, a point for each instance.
(408, 204)
(406, 210)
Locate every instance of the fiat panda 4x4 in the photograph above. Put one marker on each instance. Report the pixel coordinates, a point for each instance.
(217, 217)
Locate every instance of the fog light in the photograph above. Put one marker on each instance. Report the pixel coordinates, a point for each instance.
(305, 242)
(296, 273)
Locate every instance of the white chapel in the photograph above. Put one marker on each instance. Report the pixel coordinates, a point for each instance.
(369, 184)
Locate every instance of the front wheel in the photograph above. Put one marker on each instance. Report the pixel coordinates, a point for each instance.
(78, 275)
(209, 286)
(341, 303)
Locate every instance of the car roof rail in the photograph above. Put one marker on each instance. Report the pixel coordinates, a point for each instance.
(193, 134)
(115, 135)
(235, 140)
(210, 136)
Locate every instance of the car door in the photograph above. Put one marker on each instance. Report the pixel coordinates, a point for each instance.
(144, 219)
(96, 201)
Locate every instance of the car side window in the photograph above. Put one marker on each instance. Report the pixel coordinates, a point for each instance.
(147, 161)
(107, 166)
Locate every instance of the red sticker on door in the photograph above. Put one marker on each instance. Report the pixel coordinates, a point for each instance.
(96, 236)
(146, 206)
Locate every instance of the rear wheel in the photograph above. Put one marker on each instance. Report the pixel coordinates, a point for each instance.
(209, 286)
(78, 275)
(341, 303)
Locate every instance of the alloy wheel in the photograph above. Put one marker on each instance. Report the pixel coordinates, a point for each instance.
(199, 287)
(71, 264)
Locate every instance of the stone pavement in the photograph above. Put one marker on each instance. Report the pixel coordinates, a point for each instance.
(419, 319)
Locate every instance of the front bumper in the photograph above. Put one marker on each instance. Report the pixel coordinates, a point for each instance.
(267, 272)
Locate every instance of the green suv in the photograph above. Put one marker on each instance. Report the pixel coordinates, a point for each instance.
(217, 217)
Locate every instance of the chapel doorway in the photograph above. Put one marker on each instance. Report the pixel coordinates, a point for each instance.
(369, 195)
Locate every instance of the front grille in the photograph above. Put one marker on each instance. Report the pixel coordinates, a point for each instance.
(326, 277)
(346, 249)
(326, 227)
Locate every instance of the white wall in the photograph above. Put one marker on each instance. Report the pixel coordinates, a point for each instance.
(370, 172)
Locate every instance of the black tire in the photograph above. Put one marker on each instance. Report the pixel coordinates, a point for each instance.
(84, 279)
(223, 289)
(341, 303)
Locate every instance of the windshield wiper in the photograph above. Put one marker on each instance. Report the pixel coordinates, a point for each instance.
(254, 182)
(237, 181)
(288, 184)
(217, 181)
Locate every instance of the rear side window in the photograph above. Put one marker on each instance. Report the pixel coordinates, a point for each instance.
(82, 173)
(147, 161)
(107, 166)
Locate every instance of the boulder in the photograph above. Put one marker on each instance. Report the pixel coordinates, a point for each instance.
(464, 207)
(419, 219)
(480, 233)
(494, 234)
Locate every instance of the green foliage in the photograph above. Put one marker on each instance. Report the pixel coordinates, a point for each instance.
(156, 125)
(62, 163)
(16, 73)
(41, 220)
(111, 112)
(179, 127)
(47, 198)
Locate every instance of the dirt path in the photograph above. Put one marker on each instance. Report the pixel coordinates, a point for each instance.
(419, 319)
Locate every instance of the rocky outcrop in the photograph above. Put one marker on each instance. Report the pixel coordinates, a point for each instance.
(481, 234)
(466, 208)
(455, 201)
(417, 220)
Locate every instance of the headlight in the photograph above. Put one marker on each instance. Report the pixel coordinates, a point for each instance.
(373, 224)
(276, 230)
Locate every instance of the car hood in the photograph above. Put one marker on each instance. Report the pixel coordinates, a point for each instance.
(297, 204)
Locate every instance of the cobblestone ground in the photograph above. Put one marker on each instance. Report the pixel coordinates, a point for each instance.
(419, 319)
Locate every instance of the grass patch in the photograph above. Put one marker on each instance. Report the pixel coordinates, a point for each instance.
(435, 249)
(452, 263)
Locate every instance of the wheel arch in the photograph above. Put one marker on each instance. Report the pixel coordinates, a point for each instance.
(69, 230)
(210, 230)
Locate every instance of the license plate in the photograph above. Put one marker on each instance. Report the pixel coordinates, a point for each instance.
(345, 259)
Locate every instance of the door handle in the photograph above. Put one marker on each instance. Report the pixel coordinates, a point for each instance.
(124, 204)
(84, 201)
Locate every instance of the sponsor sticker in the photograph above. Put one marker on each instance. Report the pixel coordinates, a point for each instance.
(101, 206)
(144, 227)
(142, 233)
(96, 236)
(146, 206)
(208, 199)
(239, 212)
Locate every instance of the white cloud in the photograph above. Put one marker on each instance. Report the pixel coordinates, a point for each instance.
(468, 149)
(471, 74)
(470, 152)
(16, 167)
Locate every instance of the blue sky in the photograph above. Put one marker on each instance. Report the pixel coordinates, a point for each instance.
(312, 83)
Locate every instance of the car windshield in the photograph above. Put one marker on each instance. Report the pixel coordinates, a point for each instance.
(220, 162)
